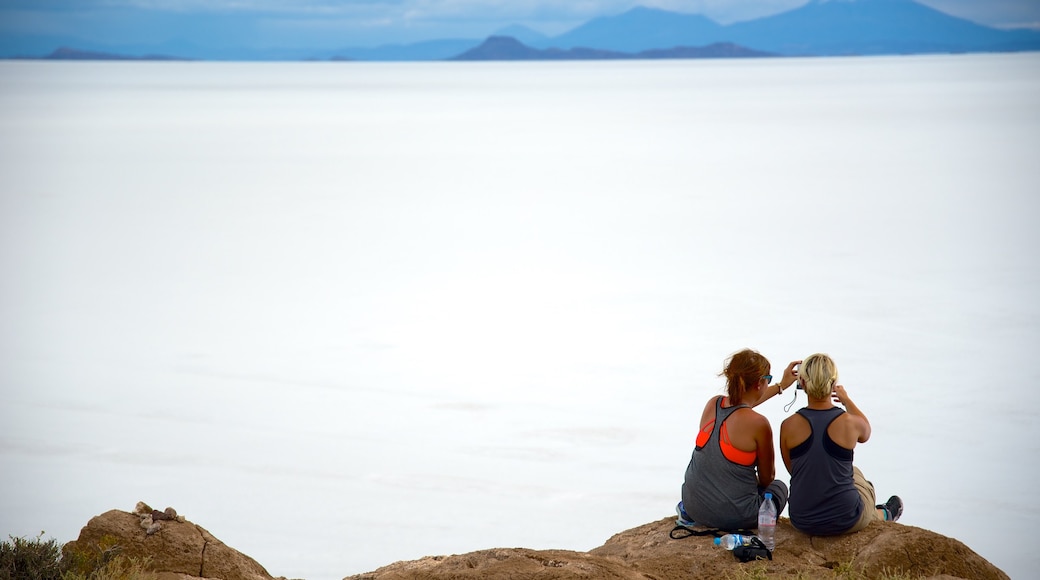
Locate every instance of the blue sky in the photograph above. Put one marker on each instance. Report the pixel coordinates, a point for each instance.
(324, 23)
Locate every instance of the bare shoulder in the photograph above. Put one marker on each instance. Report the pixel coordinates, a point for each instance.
(848, 429)
(710, 405)
(794, 421)
(851, 422)
(709, 410)
(795, 426)
(750, 419)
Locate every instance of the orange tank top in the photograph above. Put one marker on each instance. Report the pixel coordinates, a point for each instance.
(729, 451)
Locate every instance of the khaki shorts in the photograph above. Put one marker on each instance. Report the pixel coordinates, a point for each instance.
(867, 495)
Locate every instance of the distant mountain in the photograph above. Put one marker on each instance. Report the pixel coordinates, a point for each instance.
(713, 50)
(818, 28)
(429, 50)
(70, 48)
(850, 27)
(643, 29)
(525, 35)
(508, 48)
(66, 53)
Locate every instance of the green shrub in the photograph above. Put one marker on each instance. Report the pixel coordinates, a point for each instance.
(102, 561)
(80, 560)
(116, 568)
(36, 559)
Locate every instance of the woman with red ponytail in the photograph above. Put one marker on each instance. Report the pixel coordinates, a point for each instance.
(733, 462)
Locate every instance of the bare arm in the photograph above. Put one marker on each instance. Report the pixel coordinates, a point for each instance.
(785, 447)
(790, 375)
(860, 420)
(766, 455)
(788, 379)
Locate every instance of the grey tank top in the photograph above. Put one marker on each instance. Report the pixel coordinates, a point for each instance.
(717, 492)
(824, 500)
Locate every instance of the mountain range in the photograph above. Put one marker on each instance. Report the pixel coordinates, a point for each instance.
(509, 48)
(821, 27)
(818, 28)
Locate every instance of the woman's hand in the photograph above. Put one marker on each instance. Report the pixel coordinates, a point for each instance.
(790, 375)
(860, 420)
(840, 396)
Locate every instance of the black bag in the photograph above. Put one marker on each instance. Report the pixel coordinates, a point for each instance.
(757, 550)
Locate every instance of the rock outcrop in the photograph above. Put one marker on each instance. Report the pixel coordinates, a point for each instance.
(648, 553)
(175, 548)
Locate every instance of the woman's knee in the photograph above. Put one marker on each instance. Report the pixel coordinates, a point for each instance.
(780, 494)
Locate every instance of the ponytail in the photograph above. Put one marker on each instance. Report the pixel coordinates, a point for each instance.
(818, 374)
(743, 370)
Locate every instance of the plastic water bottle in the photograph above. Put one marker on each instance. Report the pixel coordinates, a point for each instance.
(730, 541)
(767, 522)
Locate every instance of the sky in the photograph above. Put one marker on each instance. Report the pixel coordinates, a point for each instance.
(324, 23)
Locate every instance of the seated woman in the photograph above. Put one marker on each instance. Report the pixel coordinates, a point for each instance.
(732, 466)
(829, 496)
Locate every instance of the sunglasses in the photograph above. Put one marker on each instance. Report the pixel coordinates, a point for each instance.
(768, 378)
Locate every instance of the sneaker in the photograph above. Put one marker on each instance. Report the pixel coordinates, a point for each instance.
(893, 508)
(683, 519)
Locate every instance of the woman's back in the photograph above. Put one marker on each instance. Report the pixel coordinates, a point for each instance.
(732, 465)
(718, 491)
(824, 499)
(829, 495)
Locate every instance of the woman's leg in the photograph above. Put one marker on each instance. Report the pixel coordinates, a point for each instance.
(780, 493)
(869, 499)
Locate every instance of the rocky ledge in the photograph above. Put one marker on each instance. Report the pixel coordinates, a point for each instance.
(178, 549)
(882, 550)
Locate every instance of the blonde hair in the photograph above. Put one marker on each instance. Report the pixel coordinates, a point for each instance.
(818, 374)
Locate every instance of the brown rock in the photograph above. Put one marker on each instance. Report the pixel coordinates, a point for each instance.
(181, 550)
(178, 549)
(507, 563)
(648, 553)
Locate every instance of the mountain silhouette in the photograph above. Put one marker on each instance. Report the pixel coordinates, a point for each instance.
(840, 27)
(525, 35)
(508, 48)
(818, 28)
(642, 29)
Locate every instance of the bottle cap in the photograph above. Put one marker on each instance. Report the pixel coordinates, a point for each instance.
(718, 541)
(769, 495)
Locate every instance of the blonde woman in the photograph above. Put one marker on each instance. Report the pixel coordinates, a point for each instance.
(829, 496)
